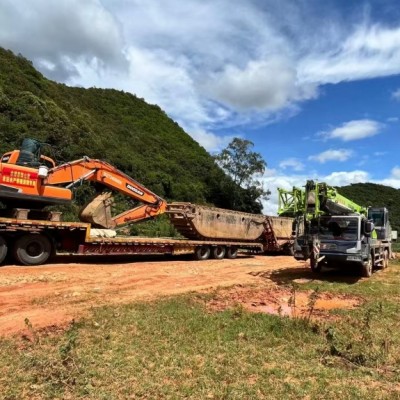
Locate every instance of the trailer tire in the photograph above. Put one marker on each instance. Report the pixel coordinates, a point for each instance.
(32, 249)
(366, 268)
(202, 253)
(231, 252)
(288, 249)
(218, 252)
(3, 249)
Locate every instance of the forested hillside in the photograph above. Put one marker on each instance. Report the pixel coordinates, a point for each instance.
(118, 127)
(370, 194)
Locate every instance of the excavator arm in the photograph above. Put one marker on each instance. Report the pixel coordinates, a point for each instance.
(98, 211)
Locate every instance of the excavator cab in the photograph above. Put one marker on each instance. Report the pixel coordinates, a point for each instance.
(22, 174)
(29, 155)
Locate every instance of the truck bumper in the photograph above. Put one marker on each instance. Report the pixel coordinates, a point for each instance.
(340, 258)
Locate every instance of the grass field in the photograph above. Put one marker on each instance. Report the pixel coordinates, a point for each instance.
(174, 349)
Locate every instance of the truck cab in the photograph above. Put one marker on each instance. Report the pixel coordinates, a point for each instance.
(344, 239)
(340, 237)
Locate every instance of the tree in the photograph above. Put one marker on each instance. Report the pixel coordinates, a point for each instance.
(244, 166)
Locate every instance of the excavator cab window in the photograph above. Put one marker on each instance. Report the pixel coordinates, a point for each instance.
(29, 154)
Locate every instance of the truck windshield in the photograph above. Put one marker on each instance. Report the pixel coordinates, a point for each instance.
(337, 228)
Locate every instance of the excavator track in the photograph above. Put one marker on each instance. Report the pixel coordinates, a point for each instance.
(198, 222)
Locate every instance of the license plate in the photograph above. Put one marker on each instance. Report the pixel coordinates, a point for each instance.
(353, 258)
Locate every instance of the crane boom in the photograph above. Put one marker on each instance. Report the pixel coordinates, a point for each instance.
(316, 199)
(321, 199)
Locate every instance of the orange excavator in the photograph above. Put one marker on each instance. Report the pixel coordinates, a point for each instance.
(31, 180)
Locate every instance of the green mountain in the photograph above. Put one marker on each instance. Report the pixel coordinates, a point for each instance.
(138, 138)
(370, 194)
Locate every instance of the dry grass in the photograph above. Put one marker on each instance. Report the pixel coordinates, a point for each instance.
(174, 349)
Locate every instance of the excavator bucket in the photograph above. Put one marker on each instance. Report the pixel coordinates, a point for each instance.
(98, 211)
(198, 222)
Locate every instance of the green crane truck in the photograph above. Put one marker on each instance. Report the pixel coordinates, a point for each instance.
(334, 231)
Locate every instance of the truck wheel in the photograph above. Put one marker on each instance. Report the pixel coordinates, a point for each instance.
(315, 266)
(32, 249)
(385, 262)
(218, 252)
(366, 269)
(202, 253)
(3, 249)
(231, 252)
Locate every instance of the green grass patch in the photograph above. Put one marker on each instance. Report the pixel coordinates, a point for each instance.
(174, 348)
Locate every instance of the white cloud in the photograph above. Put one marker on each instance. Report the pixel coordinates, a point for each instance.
(206, 67)
(209, 140)
(263, 85)
(332, 155)
(293, 163)
(369, 51)
(58, 35)
(393, 179)
(396, 94)
(344, 178)
(395, 173)
(354, 130)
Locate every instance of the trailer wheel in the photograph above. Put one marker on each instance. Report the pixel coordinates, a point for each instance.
(366, 269)
(3, 249)
(288, 249)
(202, 253)
(231, 252)
(218, 252)
(32, 249)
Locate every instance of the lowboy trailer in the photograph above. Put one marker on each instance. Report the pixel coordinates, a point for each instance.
(33, 242)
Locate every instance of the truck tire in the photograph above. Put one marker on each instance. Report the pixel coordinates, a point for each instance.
(218, 252)
(231, 252)
(202, 253)
(366, 268)
(3, 249)
(385, 262)
(32, 249)
(315, 265)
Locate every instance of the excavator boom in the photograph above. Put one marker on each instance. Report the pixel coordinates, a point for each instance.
(98, 211)
(31, 180)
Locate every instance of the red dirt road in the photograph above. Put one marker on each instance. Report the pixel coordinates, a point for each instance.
(55, 294)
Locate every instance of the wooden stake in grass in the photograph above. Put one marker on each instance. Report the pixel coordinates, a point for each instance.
(312, 300)
(292, 299)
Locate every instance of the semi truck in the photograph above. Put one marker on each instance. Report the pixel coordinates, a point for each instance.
(331, 230)
(30, 233)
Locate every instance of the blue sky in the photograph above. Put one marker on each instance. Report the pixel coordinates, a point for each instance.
(314, 84)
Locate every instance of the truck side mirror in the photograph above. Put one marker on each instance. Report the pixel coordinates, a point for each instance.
(368, 228)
